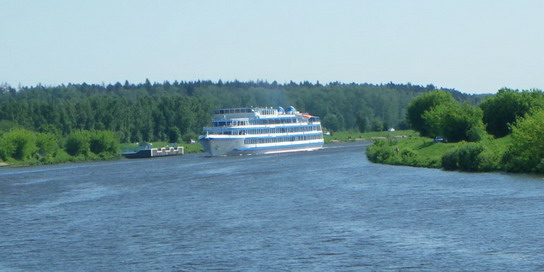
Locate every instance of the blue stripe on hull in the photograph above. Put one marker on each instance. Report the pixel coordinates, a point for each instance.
(284, 135)
(218, 137)
(279, 147)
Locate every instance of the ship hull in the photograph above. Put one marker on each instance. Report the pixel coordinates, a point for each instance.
(233, 147)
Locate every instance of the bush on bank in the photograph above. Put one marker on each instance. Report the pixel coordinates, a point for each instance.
(464, 157)
(396, 152)
(24, 147)
(526, 152)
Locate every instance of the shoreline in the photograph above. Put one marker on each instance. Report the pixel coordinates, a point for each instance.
(337, 137)
(485, 156)
(121, 157)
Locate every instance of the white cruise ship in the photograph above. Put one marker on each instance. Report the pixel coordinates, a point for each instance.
(236, 131)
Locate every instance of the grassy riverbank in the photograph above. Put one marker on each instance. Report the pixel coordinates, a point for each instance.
(350, 136)
(424, 152)
(63, 157)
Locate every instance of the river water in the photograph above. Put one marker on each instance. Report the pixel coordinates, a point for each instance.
(328, 210)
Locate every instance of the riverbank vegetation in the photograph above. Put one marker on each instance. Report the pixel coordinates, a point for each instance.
(504, 133)
(425, 152)
(25, 147)
(79, 122)
(66, 116)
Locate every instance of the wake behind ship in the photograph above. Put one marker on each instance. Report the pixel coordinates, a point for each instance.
(253, 130)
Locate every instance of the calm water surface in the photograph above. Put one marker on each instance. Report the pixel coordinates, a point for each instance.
(329, 210)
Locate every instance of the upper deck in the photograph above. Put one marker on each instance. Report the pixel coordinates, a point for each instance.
(241, 121)
(254, 113)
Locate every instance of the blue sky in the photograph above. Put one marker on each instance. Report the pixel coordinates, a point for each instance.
(476, 46)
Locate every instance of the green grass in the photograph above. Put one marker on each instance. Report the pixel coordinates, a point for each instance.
(424, 152)
(428, 152)
(192, 148)
(349, 136)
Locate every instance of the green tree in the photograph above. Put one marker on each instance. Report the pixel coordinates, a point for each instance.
(455, 121)
(377, 125)
(103, 142)
(173, 135)
(501, 110)
(423, 103)
(49, 128)
(18, 144)
(363, 124)
(6, 125)
(78, 143)
(48, 147)
(333, 122)
(526, 151)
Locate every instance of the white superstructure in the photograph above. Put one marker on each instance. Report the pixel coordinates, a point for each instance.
(236, 131)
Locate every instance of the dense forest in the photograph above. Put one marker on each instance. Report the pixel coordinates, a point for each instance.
(150, 111)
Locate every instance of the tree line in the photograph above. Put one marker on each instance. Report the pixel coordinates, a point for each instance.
(150, 111)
